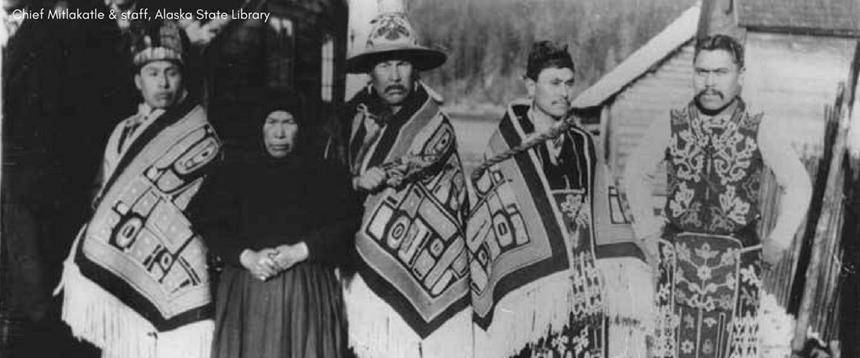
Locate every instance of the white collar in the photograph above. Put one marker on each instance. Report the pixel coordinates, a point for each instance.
(145, 111)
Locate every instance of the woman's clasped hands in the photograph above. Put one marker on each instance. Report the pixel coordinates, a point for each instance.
(269, 262)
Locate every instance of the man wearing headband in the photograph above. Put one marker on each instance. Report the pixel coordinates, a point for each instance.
(550, 242)
(710, 256)
(410, 295)
(136, 283)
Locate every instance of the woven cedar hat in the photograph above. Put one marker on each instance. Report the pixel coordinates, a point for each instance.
(159, 41)
(393, 36)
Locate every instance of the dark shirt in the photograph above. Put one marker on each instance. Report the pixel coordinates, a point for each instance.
(569, 172)
(265, 203)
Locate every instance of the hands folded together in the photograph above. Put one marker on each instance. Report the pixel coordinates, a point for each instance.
(270, 262)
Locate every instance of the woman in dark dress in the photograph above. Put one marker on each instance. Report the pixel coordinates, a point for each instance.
(282, 220)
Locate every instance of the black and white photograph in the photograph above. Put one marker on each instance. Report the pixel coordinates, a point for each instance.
(430, 179)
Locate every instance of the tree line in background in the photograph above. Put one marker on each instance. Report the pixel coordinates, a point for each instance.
(487, 41)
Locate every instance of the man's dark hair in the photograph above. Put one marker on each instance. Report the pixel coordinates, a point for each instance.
(722, 42)
(547, 54)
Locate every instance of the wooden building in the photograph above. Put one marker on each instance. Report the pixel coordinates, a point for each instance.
(302, 47)
(797, 53)
(642, 88)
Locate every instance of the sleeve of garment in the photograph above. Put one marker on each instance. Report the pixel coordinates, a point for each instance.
(109, 161)
(791, 176)
(341, 211)
(639, 178)
(215, 214)
(96, 186)
(111, 156)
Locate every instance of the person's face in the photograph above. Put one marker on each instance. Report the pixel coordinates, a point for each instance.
(160, 83)
(392, 80)
(717, 79)
(279, 133)
(552, 91)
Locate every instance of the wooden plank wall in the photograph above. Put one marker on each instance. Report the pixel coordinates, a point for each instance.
(667, 86)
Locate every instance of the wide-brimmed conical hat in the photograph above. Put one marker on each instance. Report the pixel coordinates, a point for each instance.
(393, 37)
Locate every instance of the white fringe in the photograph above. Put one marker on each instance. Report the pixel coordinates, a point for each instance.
(377, 331)
(628, 296)
(775, 328)
(525, 315)
(100, 318)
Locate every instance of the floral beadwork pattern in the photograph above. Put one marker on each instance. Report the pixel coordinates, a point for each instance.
(705, 277)
(584, 336)
(587, 298)
(689, 159)
(571, 205)
(715, 164)
(577, 339)
(707, 298)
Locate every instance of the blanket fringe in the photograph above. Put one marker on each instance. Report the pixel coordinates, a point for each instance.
(377, 331)
(525, 315)
(775, 327)
(100, 318)
(628, 291)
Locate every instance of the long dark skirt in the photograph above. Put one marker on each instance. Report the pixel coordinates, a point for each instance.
(297, 314)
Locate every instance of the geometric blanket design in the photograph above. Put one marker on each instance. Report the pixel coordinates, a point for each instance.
(520, 231)
(411, 239)
(139, 245)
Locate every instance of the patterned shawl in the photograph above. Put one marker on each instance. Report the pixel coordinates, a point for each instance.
(410, 242)
(138, 270)
(535, 249)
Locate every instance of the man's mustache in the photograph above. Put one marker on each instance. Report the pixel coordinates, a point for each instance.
(400, 88)
(711, 92)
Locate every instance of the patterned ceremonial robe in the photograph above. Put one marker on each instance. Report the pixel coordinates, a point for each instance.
(136, 283)
(708, 293)
(411, 294)
(554, 261)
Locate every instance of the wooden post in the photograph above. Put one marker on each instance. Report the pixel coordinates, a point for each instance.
(3, 323)
(830, 202)
(2, 194)
(719, 17)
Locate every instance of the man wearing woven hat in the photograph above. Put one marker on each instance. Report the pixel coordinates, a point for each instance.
(550, 242)
(135, 283)
(410, 295)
